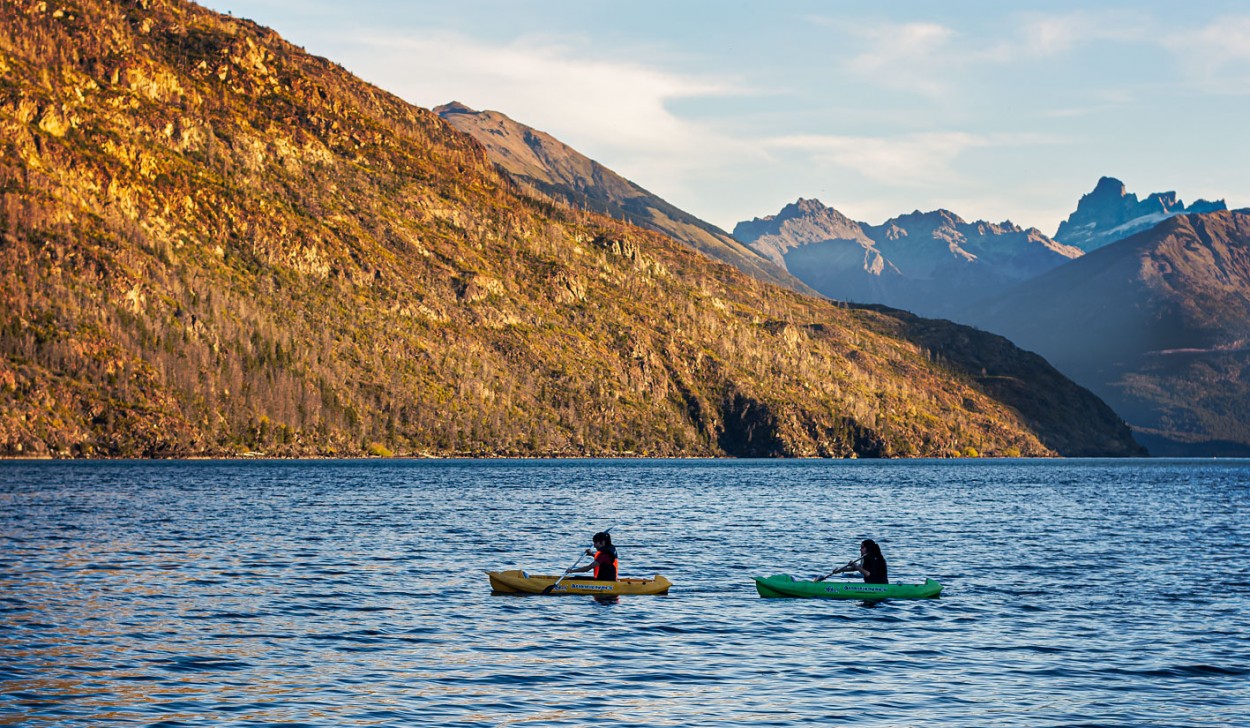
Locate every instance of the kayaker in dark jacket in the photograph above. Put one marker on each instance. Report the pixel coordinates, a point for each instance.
(605, 563)
(870, 563)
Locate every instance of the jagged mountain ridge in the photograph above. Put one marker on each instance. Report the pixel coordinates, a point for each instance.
(1157, 324)
(803, 222)
(540, 161)
(213, 243)
(1110, 213)
(931, 263)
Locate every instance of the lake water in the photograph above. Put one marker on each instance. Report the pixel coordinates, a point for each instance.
(1092, 593)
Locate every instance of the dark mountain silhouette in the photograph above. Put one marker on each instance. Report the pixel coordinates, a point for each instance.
(934, 263)
(213, 243)
(1110, 213)
(542, 163)
(1157, 324)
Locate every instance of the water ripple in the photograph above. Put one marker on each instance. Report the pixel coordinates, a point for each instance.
(352, 594)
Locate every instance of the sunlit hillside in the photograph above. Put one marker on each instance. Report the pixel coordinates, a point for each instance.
(213, 243)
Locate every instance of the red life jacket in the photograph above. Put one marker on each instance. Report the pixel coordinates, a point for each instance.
(599, 567)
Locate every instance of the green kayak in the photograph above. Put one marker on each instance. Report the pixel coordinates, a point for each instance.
(784, 585)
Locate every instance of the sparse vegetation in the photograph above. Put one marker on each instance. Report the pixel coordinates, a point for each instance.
(212, 243)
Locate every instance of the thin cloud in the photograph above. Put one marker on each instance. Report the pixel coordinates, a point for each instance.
(910, 56)
(930, 58)
(914, 160)
(1103, 102)
(1216, 56)
(1048, 36)
(616, 112)
(550, 86)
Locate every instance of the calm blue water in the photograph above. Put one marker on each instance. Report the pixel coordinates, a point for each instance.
(352, 593)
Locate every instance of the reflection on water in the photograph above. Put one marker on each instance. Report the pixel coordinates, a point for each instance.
(353, 593)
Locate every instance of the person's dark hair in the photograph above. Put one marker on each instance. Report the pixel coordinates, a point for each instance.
(872, 546)
(603, 536)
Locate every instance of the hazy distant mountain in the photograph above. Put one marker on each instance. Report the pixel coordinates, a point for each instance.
(1111, 213)
(542, 162)
(932, 263)
(804, 222)
(1157, 324)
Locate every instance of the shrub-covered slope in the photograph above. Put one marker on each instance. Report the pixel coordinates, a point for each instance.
(213, 243)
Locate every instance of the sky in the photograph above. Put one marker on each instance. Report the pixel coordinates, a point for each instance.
(731, 109)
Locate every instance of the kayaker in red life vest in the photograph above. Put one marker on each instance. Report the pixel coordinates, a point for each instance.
(870, 563)
(605, 564)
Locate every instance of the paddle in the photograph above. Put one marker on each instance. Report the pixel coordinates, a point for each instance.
(548, 590)
(849, 564)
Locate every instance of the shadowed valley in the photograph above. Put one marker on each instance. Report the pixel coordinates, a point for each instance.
(1158, 324)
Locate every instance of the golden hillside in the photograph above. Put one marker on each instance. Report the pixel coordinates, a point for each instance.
(213, 243)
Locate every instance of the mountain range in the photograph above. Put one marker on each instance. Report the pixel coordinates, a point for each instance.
(934, 264)
(214, 243)
(1152, 318)
(938, 264)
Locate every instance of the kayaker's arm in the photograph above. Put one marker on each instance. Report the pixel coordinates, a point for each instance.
(587, 567)
(852, 566)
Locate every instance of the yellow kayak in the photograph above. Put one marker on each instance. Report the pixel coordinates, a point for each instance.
(518, 582)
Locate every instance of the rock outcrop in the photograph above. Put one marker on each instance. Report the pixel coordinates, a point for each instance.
(1110, 213)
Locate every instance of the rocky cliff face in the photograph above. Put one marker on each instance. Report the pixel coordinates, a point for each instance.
(1110, 213)
(1158, 324)
(212, 243)
(932, 263)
